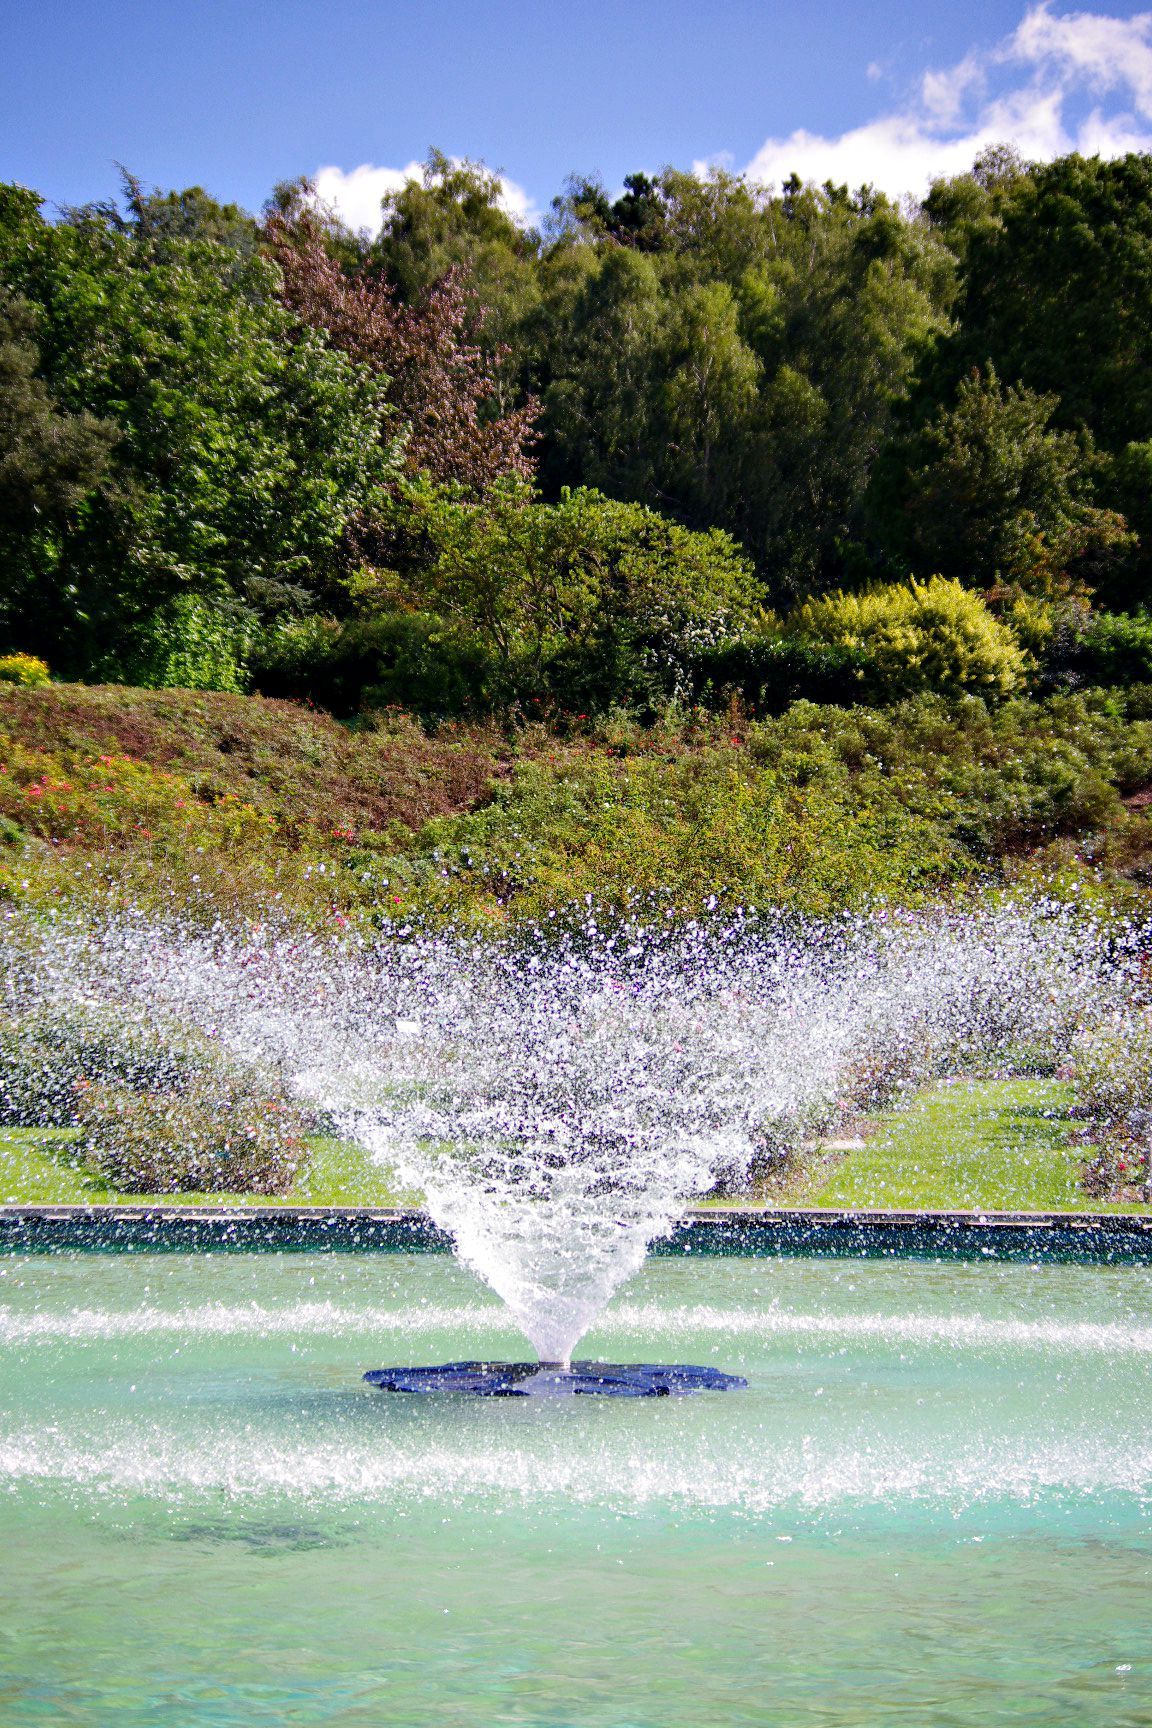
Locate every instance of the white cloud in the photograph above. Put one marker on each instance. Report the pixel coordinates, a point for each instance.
(355, 193)
(1028, 90)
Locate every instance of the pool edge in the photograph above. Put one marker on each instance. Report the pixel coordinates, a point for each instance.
(742, 1230)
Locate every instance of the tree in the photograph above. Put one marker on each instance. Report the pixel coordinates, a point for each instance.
(241, 458)
(991, 491)
(190, 214)
(1057, 286)
(455, 218)
(746, 372)
(50, 460)
(604, 341)
(441, 385)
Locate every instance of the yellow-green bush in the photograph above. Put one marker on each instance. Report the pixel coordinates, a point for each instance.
(24, 669)
(933, 635)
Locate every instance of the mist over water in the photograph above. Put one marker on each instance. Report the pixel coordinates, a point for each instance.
(559, 1100)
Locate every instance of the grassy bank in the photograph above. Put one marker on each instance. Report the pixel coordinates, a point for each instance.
(230, 803)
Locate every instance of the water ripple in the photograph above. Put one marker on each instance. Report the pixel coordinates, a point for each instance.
(653, 1321)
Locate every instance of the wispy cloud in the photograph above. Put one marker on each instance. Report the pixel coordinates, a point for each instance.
(355, 193)
(1059, 82)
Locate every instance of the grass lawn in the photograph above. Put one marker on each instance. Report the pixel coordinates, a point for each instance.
(1006, 1145)
(44, 1166)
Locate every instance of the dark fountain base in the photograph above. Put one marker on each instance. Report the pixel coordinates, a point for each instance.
(548, 1380)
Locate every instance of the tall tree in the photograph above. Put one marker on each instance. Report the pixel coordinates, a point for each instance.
(441, 384)
(991, 491)
(50, 461)
(241, 456)
(745, 372)
(455, 218)
(1057, 286)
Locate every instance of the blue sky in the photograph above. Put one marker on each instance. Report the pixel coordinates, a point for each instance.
(235, 94)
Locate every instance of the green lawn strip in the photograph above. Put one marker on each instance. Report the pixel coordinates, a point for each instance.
(340, 1173)
(44, 1166)
(1001, 1145)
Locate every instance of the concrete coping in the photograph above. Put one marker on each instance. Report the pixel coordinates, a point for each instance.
(163, 1211)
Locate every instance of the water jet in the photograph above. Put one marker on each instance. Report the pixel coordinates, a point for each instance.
(558, 1101)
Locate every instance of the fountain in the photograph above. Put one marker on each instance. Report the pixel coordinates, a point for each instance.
(560, 1099)
(944, 1459)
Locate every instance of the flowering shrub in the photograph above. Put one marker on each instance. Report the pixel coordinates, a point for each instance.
(25, 670)
(1113, 1075)
(114, 800)
(215, 1136)
(47, 1060)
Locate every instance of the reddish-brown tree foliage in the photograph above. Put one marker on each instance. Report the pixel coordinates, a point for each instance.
(442, 384)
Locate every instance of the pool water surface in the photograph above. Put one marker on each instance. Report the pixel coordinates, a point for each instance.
(931, 1504)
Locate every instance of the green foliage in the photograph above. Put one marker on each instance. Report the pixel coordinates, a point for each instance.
(50, 458)
(1057, 262)
(411, 660)
(215, 1135)
(934, 635)
(741, 363)
(1056, 282)
(192, 645)
(1116, 648)
(990, 490)
(586, 602)
(768, 671)
(26, 670)
(1002, 779)
(279, 449)
(454, 218)
(714, 827)
(241, 456)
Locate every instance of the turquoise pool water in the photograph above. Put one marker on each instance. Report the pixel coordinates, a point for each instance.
(931, 1505)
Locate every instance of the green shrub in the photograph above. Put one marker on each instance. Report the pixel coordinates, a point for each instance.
(1116, 648)
(211, 1137)
(934, 635)
(712, 825)
(770, 671)
(46, 1060)
(588, 602)
(411, 660)
(24, 669)
(229, 804)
